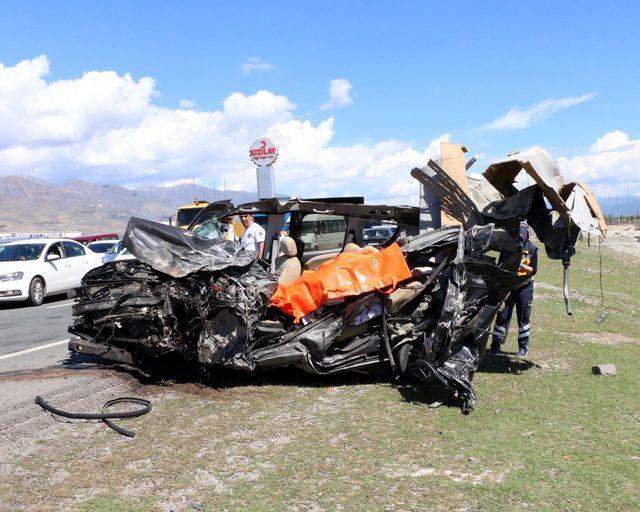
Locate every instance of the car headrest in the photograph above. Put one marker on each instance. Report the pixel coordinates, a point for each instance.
(288, 246)
(351, 247)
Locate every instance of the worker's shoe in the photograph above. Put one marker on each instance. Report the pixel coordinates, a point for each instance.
(495, 345)
(522, 352)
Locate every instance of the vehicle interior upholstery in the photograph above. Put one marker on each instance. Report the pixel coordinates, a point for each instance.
(287, 264)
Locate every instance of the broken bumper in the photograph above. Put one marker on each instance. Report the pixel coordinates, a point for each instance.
(119, 355)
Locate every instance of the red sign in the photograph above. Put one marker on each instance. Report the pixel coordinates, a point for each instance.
(263, 152)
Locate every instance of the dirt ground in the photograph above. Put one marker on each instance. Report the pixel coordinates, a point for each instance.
(24, 425)
(624, 238)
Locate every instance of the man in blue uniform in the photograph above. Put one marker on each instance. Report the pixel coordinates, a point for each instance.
(521, 299)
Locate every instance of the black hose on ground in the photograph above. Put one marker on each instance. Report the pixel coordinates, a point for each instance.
(105, 417)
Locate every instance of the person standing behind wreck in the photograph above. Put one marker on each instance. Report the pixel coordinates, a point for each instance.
(253, 236)
(227, 229)
(522, 299)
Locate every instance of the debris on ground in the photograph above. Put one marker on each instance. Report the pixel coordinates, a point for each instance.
(606, 370)
(143, 407)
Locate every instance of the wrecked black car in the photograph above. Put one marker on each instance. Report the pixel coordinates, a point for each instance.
(418, 305)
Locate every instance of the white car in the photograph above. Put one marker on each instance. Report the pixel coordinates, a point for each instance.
(116, 253)
(101, 246)
(32, 269)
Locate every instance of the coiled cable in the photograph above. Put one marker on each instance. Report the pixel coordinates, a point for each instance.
(105, 417)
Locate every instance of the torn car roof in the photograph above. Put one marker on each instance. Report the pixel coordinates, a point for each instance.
(538, 164)
(574, 199)
(585, 210)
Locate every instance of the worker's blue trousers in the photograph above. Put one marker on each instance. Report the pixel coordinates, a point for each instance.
(521, 299)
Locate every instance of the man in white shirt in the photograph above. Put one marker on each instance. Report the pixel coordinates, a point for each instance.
(253, 236)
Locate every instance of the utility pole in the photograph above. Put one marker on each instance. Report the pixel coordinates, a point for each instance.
(620, 209)
(95, 207)
(628, 208)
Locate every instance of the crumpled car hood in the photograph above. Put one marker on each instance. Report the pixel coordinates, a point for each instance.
(178, 252)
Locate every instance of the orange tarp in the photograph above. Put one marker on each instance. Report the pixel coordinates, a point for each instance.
(347, 275)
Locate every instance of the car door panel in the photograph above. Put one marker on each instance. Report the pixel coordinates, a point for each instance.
(56, 272)
(79, 262)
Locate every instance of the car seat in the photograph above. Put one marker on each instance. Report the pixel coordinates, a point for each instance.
(287, 263)
(353, 247)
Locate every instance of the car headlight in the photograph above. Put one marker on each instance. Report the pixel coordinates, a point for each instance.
(14, 276)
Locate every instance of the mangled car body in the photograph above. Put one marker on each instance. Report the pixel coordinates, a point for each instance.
(419, 305)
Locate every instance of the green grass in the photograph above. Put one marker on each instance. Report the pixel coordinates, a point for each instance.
(111, 504)
(547, 434)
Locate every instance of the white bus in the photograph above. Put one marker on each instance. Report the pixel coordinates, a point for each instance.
(322, 232)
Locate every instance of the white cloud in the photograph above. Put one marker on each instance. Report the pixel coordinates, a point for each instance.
(518, 119)
(612, 162)
(187, 104)
(611, 141)
(34, 112)
(256, 64)
(339, 94)
(105, 127)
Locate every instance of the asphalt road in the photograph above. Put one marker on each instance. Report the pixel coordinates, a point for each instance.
(34, 337)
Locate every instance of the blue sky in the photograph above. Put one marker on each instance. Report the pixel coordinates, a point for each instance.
(417, 70)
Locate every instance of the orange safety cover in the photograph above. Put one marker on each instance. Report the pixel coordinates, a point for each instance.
(347, 275)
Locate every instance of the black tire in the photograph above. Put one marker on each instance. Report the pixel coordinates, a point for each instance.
(406, 357)
(36, 291)
(402, 358)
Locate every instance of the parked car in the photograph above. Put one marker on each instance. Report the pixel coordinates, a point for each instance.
(116, 253)
(32, 269)
(102, 246)
(378, 234)
(87, 239)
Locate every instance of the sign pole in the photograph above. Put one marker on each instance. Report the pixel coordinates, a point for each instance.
(266, 182)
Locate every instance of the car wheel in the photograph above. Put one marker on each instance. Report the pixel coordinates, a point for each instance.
(406, 357)
(36, 291)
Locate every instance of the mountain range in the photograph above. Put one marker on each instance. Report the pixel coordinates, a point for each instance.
(28, 204)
